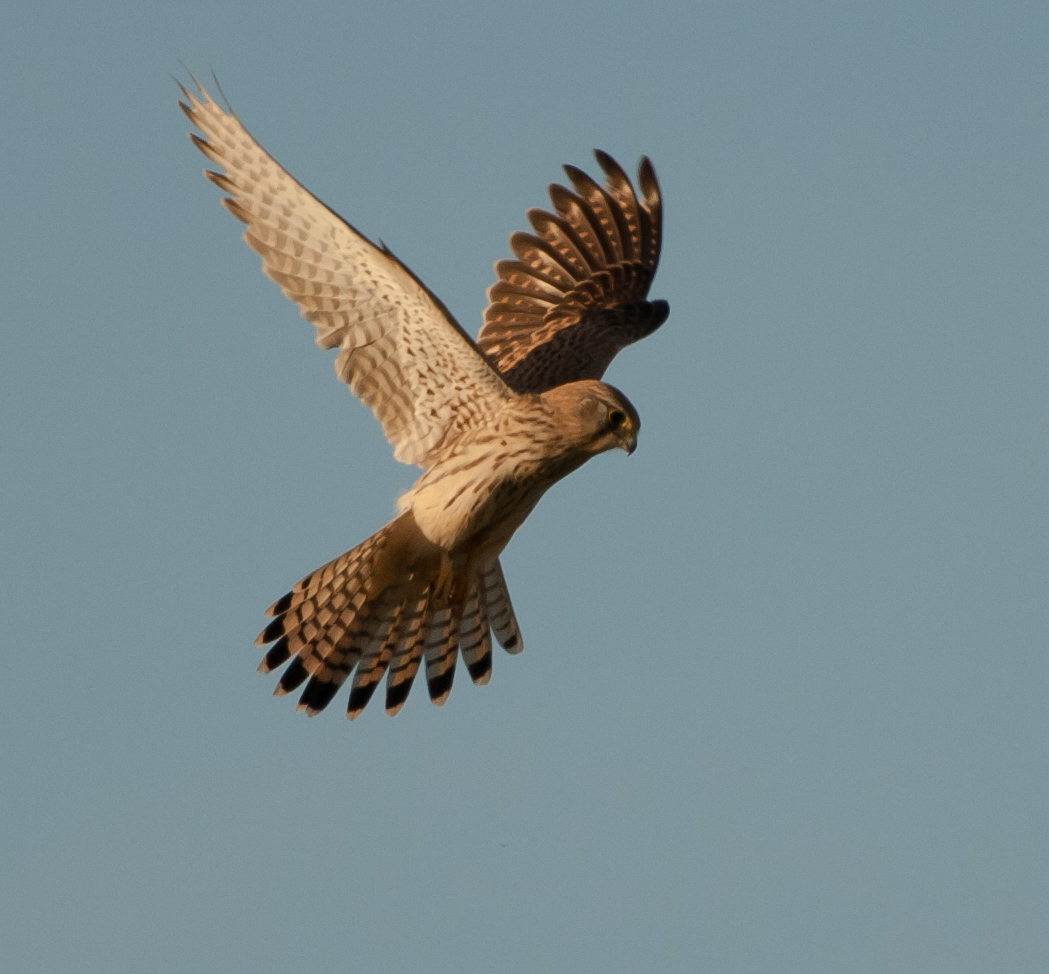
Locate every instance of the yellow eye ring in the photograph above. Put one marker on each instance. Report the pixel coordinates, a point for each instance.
(616, 418)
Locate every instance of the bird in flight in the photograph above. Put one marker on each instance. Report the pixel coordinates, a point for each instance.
(492, 423)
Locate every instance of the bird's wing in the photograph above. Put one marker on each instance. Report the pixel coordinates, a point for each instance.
(400, 350)
(575, 295)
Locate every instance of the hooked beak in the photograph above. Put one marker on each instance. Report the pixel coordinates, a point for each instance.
(629, 442)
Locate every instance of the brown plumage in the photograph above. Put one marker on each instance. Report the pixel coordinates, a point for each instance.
(575, 296)
(428, 586)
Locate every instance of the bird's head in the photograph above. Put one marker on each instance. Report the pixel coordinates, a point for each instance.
(597, 416)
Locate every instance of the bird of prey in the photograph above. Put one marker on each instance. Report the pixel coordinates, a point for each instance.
(493, 423)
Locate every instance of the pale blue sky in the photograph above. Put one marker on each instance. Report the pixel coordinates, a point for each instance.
(784, 705)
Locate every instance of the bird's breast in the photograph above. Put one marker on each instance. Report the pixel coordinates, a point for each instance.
(489, 491)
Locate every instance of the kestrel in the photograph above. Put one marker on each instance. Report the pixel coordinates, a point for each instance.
(493, 423)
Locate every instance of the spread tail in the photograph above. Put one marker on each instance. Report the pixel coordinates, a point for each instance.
(382, 608)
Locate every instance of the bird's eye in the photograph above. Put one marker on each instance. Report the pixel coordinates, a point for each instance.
(616, 418)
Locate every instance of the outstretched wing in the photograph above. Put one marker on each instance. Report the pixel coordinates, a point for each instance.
(576, 294)
(400, 350)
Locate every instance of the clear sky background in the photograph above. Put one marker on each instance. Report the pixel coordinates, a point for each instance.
(784, 703)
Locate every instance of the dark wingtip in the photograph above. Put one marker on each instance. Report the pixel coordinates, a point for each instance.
(218, 86)
(562, 198)
(221, 180)
(181, 86)
(649, 184)
(581, 182)
(612, 169)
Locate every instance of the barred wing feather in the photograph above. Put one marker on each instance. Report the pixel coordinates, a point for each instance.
(576, 294)
(400, 350)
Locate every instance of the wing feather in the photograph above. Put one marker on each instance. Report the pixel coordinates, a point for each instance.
(400, 351)
(576, 295)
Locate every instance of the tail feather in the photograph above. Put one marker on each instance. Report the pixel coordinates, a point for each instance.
(475, 636)
(306, 587)
(370, 629)
(334, 603)
(347, 564)
(442, 651)
(375, 611)
(317, 694)
(372, 666)
(500, 610)
(278, 655)
(293, 677)
(405, 663)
